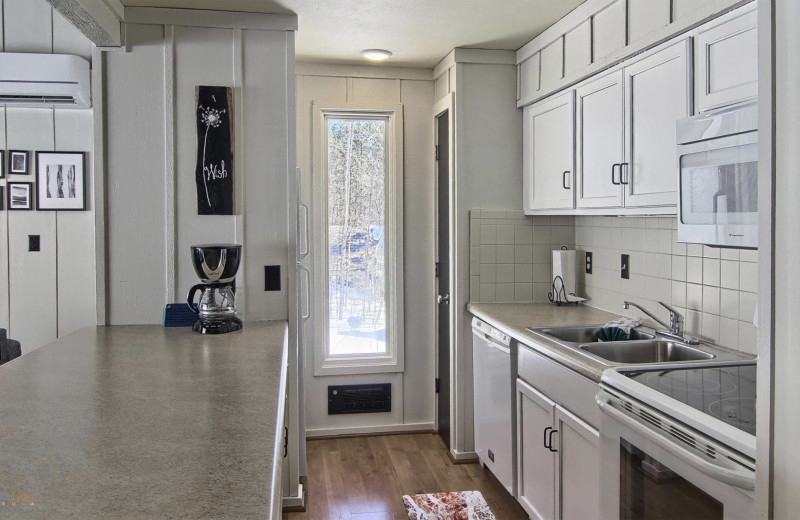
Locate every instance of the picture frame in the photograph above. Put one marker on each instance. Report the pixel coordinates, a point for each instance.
(2, 199)
(18, 162)
(60, 181)
(20, 196)
(2, 165)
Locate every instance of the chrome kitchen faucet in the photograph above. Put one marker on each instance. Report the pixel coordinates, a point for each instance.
(675, 327)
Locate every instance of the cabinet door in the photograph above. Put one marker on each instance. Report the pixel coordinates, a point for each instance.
(726, 64)
(577, 467)
(536, 463)
(548, 153)
(657, 94)
(599, 125)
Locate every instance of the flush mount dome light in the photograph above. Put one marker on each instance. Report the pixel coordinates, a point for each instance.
(376, 54)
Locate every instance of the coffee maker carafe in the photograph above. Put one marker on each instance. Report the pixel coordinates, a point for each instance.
(216, 266)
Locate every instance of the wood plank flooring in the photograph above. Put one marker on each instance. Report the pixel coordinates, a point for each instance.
(365, 478)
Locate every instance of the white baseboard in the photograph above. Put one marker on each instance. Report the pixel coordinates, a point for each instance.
(295, 502)
(463, 455)
(367, 430)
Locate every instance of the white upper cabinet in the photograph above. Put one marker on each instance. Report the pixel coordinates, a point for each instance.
(647, 16)
(657, 93)
(528, 72)
(608, 29)
(548, 153)
(600, 131)
(726, 60)
(552, 64)
(578, 48)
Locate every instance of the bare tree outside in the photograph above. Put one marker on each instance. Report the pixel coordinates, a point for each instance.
(356, 224)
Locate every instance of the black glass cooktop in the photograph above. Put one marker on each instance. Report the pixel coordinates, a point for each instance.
(725, 392)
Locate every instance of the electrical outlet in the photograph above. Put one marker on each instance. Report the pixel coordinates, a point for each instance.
(588, 262)
(625, 267)
(34, 243)
(272, 278)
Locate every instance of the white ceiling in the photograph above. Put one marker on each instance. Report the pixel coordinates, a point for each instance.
(419, 32)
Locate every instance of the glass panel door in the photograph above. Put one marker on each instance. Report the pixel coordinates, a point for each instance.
(720, 186)
(651, 491)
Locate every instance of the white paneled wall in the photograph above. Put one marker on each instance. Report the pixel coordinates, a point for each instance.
(50, 293)
(151, 152)
(511, 255)
(715, 289)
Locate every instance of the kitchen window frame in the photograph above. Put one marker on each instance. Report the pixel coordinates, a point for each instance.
(393, 360)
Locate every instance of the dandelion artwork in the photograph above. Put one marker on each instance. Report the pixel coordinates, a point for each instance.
(60, 181)
(214, 170)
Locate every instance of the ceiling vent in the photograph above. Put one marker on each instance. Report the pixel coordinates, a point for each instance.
(44, 80)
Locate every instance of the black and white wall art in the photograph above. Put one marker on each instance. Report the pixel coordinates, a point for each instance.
(20, 195)
(2, 165)
(214, 170)
(60, 181)
(17, 162)
(2, 199)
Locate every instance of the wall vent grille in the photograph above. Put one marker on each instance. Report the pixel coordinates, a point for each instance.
(347, 399)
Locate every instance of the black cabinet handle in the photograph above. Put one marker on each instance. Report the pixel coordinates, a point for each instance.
(621, 176)
(564, 179)
(544, 441)
(550, 440)
(613, 169)
(285, 441)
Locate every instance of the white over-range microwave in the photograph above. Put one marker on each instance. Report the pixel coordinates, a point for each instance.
(718, 177)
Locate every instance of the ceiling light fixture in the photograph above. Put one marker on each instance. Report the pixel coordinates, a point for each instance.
(376, 54)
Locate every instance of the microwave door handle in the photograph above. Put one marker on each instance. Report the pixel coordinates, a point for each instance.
(740, 479)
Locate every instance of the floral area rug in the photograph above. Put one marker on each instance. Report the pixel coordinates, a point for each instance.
(461, 505)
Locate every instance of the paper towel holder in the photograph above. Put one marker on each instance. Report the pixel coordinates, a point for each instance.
(559, 294)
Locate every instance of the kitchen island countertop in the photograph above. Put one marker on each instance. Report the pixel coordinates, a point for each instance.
(145, 422)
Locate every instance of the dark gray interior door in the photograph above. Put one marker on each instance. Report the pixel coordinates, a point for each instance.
(443, 217)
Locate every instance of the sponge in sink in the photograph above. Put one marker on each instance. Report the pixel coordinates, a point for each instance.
(610, 334)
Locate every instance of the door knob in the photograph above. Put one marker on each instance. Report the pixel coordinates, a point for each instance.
(443, 299)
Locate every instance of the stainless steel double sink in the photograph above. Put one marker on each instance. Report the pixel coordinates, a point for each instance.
(643, 346)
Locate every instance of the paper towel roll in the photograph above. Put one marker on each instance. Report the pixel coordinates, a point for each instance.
(564, 266)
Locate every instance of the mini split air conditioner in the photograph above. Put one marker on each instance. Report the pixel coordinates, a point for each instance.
(44, 80)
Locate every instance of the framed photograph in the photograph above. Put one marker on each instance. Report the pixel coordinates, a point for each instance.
(20, 195)
(17, 162)
(60, 181)
(2, 165)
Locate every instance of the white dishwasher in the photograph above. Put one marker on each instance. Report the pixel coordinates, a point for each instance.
(493, 402)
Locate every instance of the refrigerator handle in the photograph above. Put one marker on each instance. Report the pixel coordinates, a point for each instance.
(305, 282)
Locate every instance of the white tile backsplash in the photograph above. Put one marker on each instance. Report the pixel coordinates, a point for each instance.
(511, 254)
(714, 288)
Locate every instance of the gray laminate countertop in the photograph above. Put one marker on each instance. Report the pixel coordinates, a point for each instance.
(145, 422)
(513, 318)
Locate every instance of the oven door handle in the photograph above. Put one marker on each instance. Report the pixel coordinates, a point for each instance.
(740, 479)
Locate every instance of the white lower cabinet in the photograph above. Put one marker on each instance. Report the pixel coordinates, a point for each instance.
(558, 464)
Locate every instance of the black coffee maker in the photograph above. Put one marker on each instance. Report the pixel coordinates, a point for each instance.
(216, 266)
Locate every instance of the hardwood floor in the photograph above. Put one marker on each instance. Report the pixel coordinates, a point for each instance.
(365, 478)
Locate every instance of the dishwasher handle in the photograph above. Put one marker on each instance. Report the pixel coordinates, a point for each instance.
(741, 479)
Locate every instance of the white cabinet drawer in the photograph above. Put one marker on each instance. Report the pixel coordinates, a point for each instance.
(564, 386)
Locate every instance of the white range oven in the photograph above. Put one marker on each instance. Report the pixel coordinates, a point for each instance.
(678, 442)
